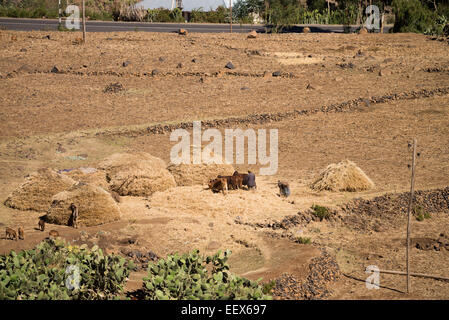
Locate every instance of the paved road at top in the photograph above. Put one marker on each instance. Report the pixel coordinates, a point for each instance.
(109, 26)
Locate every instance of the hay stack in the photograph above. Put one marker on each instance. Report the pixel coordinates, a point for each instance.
(95, 206)
(136, 174)
(38, 189)
(198, 174)
(89, 175)
(343, 176)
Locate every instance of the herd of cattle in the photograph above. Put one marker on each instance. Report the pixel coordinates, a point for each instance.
(234, 182)
(238, 180)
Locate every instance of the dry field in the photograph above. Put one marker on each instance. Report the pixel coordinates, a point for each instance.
(331, 97)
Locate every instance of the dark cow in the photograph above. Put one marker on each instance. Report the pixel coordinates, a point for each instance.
(234, 182)
(219, 184)
(248, 179)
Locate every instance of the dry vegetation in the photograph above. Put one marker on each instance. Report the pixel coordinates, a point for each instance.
(335, 97)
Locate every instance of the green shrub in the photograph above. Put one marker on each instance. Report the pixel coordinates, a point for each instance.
(420, 213)
(412, 16)
(44, 273)
(320, 212)
(303, 240)
(193, 276)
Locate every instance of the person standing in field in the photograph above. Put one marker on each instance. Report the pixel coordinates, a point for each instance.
(251, 180)
(284, 189)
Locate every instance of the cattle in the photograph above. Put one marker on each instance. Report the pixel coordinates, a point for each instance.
(218, 184)
(11, 234)
(41, 224)
(248, 179)
(234, 182)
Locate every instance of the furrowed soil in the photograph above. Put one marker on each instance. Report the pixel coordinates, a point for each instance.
(330, 96)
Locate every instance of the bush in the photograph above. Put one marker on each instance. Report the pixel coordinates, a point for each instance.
(303, 240)
(320, 212)
(45, 273)
(412, 16)
(192, 276)
(420, 213)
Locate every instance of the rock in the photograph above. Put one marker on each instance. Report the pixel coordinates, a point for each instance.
(363, 31)
(161, 59)
(155, 72)
(309, 87)
(183, 32)
(194, 60)
(114, 88)
(244, 88)
(46, 37)
(306, 30)
(229, 65)
(276, 74)
(367, 103)
(252, 34)
(179, 66)
(23, 50)
(126, 63)
(55, 69)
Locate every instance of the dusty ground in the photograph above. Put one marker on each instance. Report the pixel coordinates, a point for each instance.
(41, 108)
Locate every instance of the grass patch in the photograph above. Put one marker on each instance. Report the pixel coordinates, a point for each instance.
(303, 240)
(320, 212)
(420, 213)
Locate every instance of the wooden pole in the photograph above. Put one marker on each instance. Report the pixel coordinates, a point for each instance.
(410, 207)
(423, 275)
(382, 23)
(84, 22)
(230, 13)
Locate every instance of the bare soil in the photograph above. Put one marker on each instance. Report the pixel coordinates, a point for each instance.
(335, 97)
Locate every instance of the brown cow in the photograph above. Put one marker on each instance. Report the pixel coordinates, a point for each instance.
(11, 234)
(234, 182)
(41, 224)
(218, 184)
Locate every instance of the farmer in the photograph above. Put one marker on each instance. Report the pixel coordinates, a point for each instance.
(251, 180)
(284, 189)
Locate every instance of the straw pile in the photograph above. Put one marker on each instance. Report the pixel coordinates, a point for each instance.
(198, 174)
(343, 176)
(136, 174)
(89, 175)
(95, 206)
(38, 189)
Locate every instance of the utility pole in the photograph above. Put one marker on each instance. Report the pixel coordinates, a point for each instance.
(230, 13)
(410, 208)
